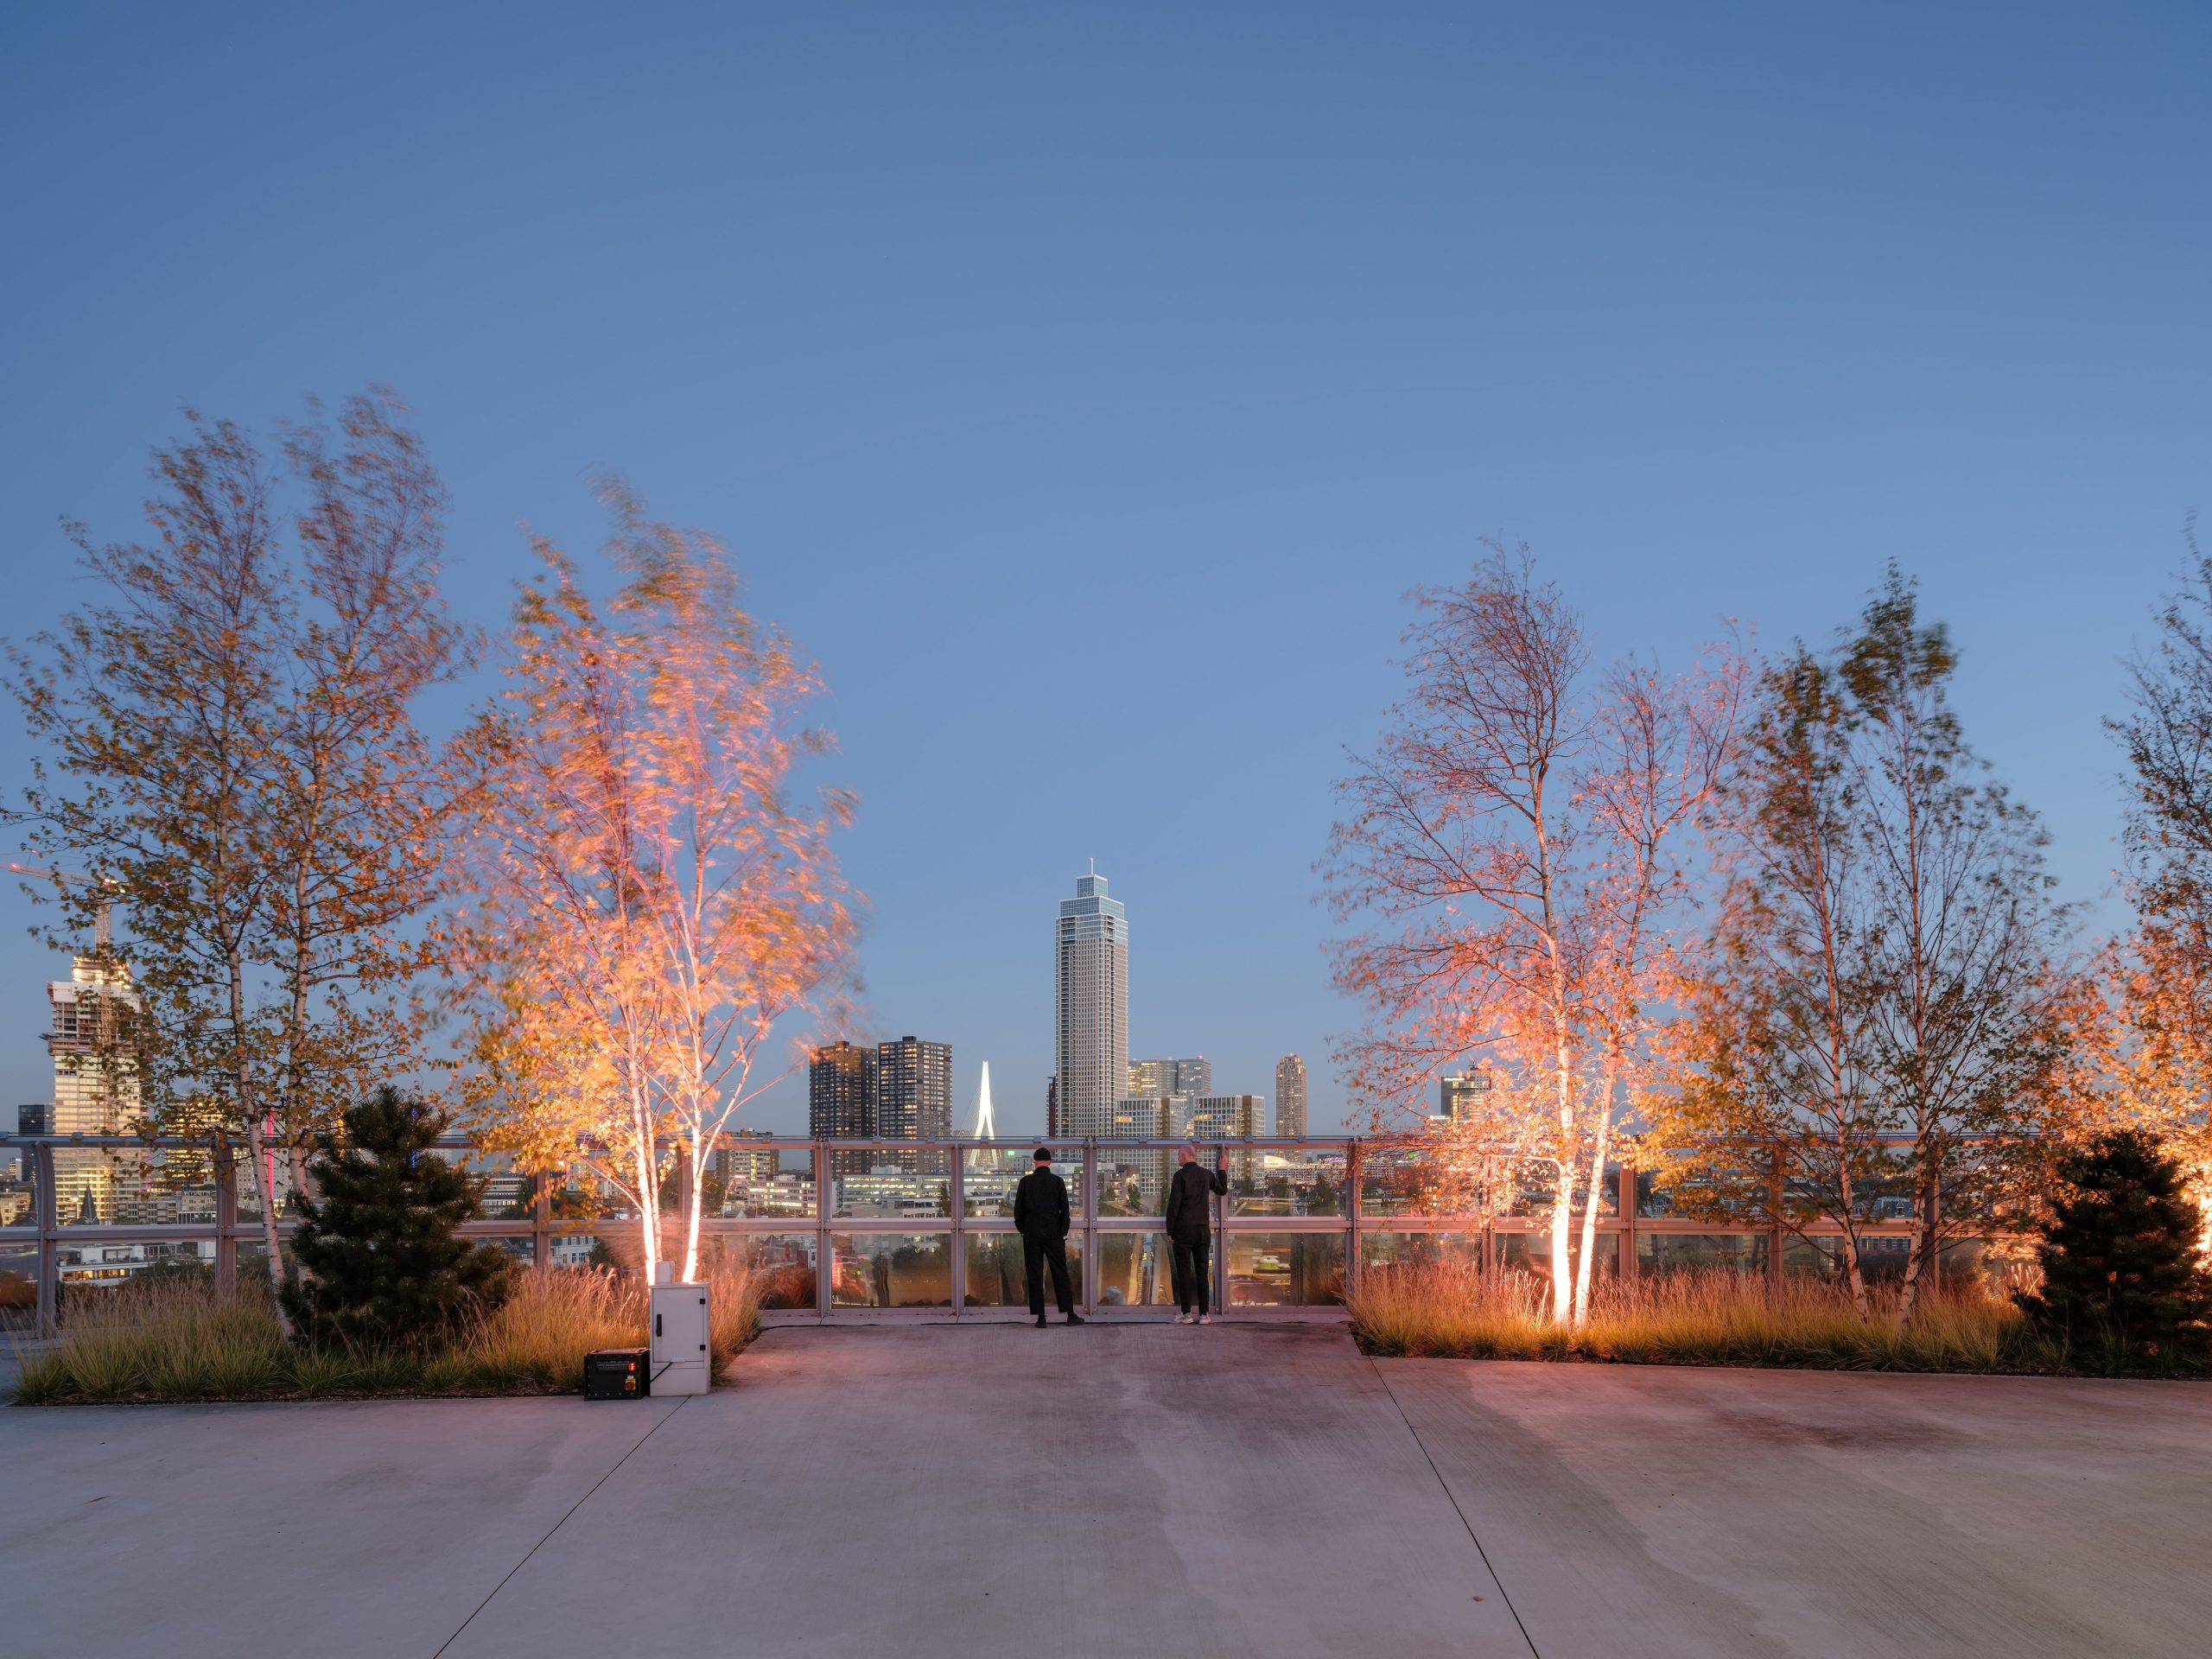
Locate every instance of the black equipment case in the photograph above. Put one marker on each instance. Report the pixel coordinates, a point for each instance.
(617, 1374)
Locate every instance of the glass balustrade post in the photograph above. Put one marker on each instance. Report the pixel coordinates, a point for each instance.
(1088, 1292)
(1352, 1180)
(541, 1224)
(226, 1219)
(49, 1251)
(956, 1202)
(1218, 1266)
(1624, 1202)
(825, 1267)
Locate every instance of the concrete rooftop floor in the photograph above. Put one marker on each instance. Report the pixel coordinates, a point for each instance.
(929, 1490)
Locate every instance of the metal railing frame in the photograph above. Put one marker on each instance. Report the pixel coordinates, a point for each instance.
(1623, 1229)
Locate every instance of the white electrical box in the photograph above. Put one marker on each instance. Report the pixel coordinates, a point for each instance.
(681, 1361)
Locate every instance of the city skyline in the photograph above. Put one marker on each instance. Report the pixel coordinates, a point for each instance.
(1280, 334)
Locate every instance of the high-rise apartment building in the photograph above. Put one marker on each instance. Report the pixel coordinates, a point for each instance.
(1290, 1096)
(914, 1090)
(1457, 1096)
(95, 1092)
(1051, 1108)
(1091, 973)
(841, 1093)
(1192, 1074)
(841, 1102)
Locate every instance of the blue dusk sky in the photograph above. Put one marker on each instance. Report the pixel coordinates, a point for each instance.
(1085, 386)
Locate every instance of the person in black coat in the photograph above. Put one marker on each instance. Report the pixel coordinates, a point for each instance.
(1040, 1216)
(1190, 1230)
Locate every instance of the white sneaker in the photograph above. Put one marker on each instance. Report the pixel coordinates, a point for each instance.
(1205, 1319)
(1184, 1318)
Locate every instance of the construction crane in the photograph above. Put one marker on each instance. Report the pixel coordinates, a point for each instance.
(69, 878)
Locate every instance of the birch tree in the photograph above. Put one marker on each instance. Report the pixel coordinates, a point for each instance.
(657, 903)
(228, 744)
(1510, 859)
(1889, 1005)
(1772, 1111)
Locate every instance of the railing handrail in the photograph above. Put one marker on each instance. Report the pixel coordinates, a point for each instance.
(1409, 1140)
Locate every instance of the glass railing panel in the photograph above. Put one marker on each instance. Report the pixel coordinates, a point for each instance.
(987, 1175)
(886, 1183)
(1664, 1253)
(1531, 1252)
(1609, 1194)
(1391, 1252)
(1397, 1181)
(892, 1270)
(995, 1272)
(133, 1186)
(1526, 1191)
(521, 1249)
(593, 1250)
(1299, 1182)
(578, 1195)
(1133, 1180)
(1135, 1270)
(1285, 1269)
(1722, 1194)
(18, 1186)
(507, 1194)
(780, 1267)
(752, 1183)
(253, 1263)
(100, 1265)
(1820, 1256)
(18, 1286)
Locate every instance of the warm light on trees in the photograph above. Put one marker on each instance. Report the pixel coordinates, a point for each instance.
(1513, 847)
(652, 904)
(228, 748)
(2146, 1053)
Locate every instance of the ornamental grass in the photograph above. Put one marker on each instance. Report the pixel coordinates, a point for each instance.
(1705, 1317)
(181, 1341)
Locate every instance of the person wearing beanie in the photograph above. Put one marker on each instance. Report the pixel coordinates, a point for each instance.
(1040, 1216)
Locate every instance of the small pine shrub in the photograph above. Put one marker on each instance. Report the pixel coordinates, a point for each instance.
(387, 1268)
(2122, 1285)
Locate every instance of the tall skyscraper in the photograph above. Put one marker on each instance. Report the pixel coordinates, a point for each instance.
(1290, 1096)
(1051, 1108)
(1192, 1074)
(1092, 970)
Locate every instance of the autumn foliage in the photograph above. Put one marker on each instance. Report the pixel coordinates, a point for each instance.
(653, 893)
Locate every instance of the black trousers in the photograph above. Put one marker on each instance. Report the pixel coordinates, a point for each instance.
(1193, 1254)
(1037, 1254)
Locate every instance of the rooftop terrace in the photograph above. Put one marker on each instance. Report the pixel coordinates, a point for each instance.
(938, 1490)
